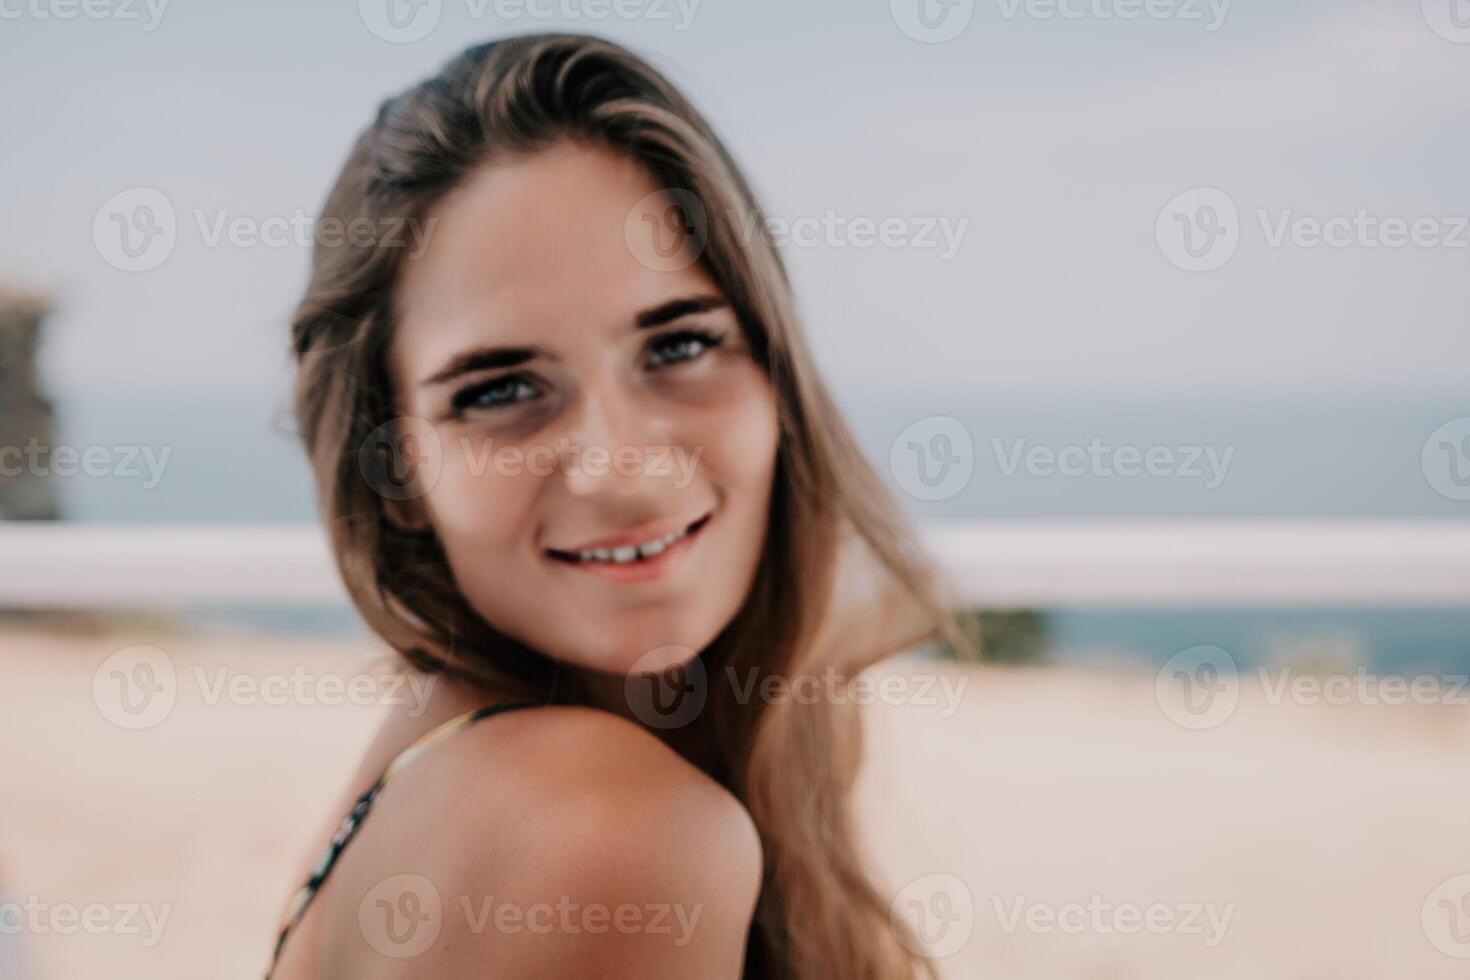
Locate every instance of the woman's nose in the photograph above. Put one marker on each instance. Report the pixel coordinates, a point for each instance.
(605, 450)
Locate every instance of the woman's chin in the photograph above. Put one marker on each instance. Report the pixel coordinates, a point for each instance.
(635, 656)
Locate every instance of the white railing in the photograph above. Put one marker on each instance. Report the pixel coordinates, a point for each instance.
(995, 564)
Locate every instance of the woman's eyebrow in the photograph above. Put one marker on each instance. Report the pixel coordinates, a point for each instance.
(490, 358)
(482, 359)
(675, 308)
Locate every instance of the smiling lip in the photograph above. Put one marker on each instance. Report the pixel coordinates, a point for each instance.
(637, 535)
(644, 569)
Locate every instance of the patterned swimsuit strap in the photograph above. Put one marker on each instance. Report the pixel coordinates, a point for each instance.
(301, 900)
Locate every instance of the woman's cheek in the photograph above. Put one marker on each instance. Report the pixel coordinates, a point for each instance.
(740, 434)
(481, 496)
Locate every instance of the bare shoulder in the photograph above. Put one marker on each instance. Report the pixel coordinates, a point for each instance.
(552, 842)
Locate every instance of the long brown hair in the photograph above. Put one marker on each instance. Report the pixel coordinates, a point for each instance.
(792, 765)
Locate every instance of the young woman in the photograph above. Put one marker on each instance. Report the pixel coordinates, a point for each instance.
(576, 464)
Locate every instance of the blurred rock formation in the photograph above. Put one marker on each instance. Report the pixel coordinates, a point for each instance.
(26, 420)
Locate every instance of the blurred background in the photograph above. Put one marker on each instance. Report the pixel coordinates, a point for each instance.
(1151, 312)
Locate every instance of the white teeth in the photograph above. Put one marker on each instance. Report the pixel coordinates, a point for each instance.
(632, 552)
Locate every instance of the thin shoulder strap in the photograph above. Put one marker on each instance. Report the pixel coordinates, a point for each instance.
(301, 900)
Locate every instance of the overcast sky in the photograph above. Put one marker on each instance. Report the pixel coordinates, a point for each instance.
(1046, 146)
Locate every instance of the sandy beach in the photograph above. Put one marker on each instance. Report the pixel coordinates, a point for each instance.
(1047, 822)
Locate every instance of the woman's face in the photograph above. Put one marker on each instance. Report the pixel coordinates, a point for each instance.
(596, 445)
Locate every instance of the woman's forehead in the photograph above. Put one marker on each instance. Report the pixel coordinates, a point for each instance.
(534, 250)
(536, 246)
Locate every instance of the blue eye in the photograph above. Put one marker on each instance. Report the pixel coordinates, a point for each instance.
(496, 393)
(682, 345)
